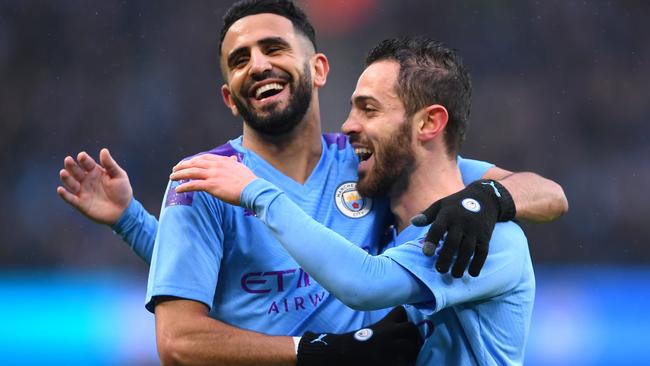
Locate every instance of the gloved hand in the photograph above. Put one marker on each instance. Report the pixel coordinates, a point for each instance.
(468, 217)
(391, 341)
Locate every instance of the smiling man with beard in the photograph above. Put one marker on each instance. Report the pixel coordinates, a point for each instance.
(272, 120)
(408, 119)
(217, 274)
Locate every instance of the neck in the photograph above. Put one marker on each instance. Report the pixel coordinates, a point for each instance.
(428, 181)
(296, 153)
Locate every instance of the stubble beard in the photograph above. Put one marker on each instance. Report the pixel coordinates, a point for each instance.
(394, 160)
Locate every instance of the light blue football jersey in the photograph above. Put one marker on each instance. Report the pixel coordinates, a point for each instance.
(480, 320)
(221, 255)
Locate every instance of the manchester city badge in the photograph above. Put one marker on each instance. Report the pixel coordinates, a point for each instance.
(349, 201)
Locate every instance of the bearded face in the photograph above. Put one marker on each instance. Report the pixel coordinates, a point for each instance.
(393, 157)
(272, 119)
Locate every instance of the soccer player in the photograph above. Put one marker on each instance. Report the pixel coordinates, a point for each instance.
(214, 263)
(409, 114)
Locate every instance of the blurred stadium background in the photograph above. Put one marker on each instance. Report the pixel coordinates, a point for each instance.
(560, 88)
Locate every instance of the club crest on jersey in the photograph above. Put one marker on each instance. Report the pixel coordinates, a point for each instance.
(349, 201)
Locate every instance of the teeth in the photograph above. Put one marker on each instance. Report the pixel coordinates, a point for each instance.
(363, 153)
(361, 150)
(267, 87)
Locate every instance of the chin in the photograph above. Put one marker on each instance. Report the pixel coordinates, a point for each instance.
(364, 187)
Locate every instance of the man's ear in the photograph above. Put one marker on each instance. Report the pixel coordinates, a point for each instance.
(321, 67)
(431, 121)
(227, 99)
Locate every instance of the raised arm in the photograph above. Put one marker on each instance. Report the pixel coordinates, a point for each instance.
(102, 192)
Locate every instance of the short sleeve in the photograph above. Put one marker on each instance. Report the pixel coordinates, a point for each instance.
(188, 250)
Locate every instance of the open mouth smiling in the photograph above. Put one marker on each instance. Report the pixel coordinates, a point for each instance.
(267, 90)
(363, 153)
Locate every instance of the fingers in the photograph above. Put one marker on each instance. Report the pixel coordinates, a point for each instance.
(86, 162)
(69, 183)
(67, 196)
(465, 252)
(427, 216)
(480, 255)
(189, 173)
(191, 186)
(112, 168)
(449, 248)
(436, 231)
(428, 249)
(202, 161)
(73, 168)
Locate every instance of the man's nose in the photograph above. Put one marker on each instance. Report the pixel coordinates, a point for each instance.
(351, 126)
(259, 63)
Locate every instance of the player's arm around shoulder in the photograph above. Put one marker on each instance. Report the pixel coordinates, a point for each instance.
(537, 199)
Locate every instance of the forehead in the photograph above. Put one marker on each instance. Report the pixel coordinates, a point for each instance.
(379, 81)
(248, 30)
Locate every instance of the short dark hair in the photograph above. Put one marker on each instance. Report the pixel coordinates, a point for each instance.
(283, 8)
(430, 73)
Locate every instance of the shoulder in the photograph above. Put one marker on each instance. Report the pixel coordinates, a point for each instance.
(336, 140)
(230, 148)
(336, 146)
(508, 236)
(227, 149)
(509, 231)
(472, 170)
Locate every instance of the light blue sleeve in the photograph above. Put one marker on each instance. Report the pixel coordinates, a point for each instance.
(138, 229)
(502, 271)
(359, 280)
(189, 248)
(472, 170)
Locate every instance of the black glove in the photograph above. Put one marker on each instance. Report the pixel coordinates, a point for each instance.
(468, 217)
(391, 341)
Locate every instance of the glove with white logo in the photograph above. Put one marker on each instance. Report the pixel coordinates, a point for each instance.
(391, 341)
(468, 217)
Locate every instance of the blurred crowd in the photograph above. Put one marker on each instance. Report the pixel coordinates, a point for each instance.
(560, 88)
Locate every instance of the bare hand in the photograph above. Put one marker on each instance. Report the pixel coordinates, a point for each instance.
(100, 192)
(220, 176)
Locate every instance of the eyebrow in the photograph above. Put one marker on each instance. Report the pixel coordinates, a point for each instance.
(273, 41)
(264, 42)
(359, 99)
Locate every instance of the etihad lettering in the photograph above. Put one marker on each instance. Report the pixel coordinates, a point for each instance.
(274, 281)
(316, 298)
(280, 282)
(296, 304)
